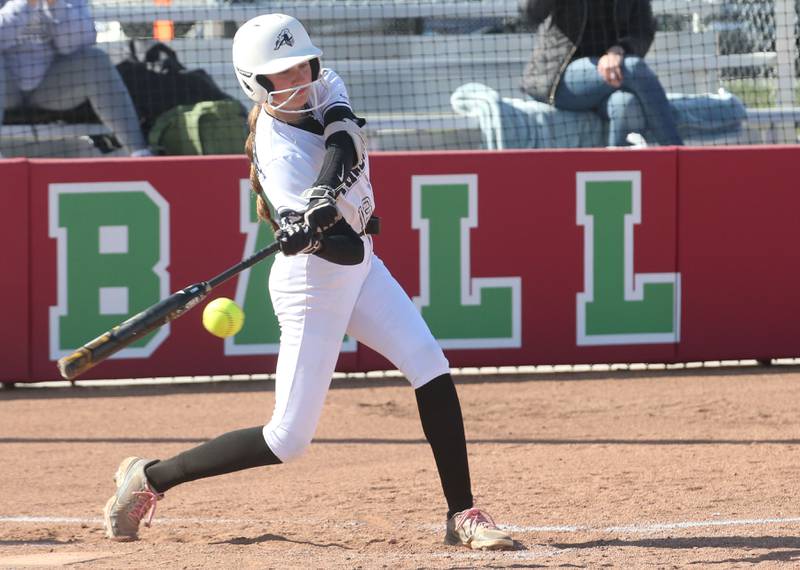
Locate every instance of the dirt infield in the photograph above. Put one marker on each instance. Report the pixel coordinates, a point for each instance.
(618, 469)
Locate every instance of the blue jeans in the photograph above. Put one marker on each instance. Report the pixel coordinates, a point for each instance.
(72, 79)
(639, 106)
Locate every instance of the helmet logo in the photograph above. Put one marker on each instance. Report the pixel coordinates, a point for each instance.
(285, 38)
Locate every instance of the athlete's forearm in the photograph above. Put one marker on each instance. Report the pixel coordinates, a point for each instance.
(345, 146)
(340, 157)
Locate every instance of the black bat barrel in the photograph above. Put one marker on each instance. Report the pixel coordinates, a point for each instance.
(110, 342)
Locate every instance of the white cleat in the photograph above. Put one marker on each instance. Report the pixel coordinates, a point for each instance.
(133, 500)
(475, 529)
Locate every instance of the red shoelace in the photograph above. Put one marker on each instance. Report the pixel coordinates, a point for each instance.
(145, 505)
(476, 517)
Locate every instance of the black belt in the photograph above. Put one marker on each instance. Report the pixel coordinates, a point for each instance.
(373, 226)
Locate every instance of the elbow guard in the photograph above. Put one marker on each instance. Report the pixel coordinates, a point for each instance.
(342, 119)
(350, 127)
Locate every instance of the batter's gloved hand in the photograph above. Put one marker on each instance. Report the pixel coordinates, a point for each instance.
(321, 212)
(297, 238)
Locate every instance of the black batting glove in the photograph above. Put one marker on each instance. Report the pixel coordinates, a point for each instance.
(321, 212)
(294, 238)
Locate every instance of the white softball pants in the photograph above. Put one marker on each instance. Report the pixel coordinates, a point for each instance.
(317, 302)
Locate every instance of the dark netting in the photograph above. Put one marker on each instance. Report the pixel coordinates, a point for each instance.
(426, 74)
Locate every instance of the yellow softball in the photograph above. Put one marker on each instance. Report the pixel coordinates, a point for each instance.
(222, 317)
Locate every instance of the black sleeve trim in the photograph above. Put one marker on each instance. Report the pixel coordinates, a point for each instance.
(339, 113)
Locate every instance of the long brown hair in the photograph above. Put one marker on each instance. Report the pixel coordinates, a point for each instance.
(255, 184)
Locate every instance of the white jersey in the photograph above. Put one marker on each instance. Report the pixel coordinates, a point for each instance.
(288, 159)
(316, 301)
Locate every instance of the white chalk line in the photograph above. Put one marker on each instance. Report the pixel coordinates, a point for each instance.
(632, 528)
(652, 527)
(99, 520)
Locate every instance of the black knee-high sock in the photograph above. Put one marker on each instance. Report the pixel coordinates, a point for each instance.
(233, 451)
(440, 412)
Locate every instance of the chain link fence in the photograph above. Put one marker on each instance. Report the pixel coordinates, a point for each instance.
(426, 74)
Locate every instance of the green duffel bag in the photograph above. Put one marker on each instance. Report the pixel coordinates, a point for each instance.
(208, 127)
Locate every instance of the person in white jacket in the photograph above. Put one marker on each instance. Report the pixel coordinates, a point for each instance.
(49, 60)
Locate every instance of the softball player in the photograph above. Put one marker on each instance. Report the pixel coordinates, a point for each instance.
(309, 160)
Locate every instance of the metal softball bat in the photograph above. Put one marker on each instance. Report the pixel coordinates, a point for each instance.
(176, 305)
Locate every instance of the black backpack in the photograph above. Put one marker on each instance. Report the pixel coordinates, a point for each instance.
(159, 82)
(156, 84)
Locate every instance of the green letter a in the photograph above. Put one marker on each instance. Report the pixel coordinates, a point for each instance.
(261, 333)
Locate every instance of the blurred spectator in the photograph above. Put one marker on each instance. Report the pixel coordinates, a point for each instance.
(589, 55)
(48, 60)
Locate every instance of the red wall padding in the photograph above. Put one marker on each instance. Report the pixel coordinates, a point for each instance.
(726, 219)
(15, 332)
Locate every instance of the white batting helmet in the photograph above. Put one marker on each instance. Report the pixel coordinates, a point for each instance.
(269, 44)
